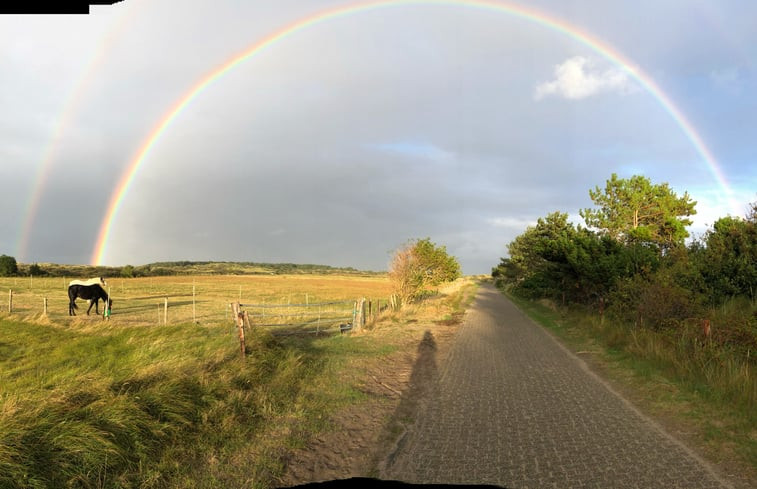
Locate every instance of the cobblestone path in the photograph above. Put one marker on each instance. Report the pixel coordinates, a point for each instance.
(514, 408)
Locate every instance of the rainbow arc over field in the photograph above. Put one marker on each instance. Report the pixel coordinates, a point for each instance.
(519, 11)
(76, 95)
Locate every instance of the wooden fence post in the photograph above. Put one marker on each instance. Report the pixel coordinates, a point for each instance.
(359, 315)
(239, 319)
(194, 311)
(10, 300)
(45, 306)
(165, 311)
(393, 302)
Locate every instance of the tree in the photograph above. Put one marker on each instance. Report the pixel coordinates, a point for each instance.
(36, 270)
(418, 264)
(436, 264)
(8, 266)
(635, 210)
(557, 260)
(127, 271)
(405, 274)
(728, 261)
(537, 264)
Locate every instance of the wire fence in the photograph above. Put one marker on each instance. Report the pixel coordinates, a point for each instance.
(272, 302)
(319, 317)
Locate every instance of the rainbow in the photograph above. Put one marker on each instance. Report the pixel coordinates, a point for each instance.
(525, 13)
(75, 97)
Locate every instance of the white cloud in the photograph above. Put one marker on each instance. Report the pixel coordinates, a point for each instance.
(511, 222)
(578, 78)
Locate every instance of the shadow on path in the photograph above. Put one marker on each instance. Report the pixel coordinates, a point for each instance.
(422, 382)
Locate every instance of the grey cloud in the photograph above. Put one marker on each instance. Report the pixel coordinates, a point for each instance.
(288, 157)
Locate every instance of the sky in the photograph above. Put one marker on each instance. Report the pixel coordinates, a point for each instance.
(340, 139)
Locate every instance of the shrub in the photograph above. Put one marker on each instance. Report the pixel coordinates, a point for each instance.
(8, 266)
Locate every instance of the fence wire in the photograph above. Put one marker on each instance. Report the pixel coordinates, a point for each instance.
(318, 317)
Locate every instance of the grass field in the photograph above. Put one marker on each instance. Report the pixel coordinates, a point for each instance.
(141, 301)
(133, 403)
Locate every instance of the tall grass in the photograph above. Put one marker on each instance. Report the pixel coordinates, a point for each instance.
(119, 407)
(720, 373)
(88, 408)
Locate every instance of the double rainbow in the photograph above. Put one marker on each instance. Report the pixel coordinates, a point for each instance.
(525, 13)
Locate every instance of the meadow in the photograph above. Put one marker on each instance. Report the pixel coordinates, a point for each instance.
(203, 299)
(133, 402)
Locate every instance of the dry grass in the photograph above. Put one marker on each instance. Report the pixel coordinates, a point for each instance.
(88, 403)
(140, 301)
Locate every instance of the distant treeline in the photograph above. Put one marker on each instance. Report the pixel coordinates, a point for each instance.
(184, 267)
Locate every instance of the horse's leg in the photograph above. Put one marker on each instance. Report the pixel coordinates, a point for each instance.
(71, 303)
(91, 303)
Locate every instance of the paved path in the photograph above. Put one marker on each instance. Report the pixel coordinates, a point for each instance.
(514, 408)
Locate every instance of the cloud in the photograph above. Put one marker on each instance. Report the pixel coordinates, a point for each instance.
(511, 222)
(418, 130)
(578, 78)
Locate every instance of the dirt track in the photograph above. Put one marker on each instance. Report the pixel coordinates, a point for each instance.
(512, 407)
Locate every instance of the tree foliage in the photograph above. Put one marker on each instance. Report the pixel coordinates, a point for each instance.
(436, 264)
(8, 266)
(635, 210)
(728, 260)
(557, 260)
(418, 264)
(635, 263)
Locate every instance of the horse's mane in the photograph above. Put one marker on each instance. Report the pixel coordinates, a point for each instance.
(92, 281)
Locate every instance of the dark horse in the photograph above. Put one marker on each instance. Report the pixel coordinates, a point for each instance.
(92, 293)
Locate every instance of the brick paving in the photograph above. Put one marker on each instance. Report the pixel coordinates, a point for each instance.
(512, 407)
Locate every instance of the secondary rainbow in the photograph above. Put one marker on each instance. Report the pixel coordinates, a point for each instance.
(526, 13)
(74, 99)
